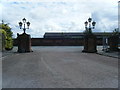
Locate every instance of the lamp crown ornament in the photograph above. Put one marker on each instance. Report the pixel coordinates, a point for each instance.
(23, 23)
(89, 25)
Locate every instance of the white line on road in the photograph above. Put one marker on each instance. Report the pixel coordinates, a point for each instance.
(47, 66)
(1, 58)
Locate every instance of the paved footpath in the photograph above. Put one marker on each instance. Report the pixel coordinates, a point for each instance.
(59, 67)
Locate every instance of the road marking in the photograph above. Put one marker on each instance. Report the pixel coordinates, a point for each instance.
(47, 66)
(1, 58)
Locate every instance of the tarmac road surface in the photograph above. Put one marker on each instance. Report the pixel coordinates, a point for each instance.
(59, 67)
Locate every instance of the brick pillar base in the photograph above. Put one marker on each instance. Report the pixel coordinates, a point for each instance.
(24, 43)
(90, 43)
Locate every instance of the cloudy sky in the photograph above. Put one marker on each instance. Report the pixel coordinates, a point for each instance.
(59, 15)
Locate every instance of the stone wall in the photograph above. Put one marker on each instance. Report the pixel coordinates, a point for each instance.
(58, 41)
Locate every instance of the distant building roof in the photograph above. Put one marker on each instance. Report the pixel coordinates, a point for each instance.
(71, 35)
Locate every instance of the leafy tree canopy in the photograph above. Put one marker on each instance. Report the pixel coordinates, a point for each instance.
(6, 34)
(7, 29)
(2, 31)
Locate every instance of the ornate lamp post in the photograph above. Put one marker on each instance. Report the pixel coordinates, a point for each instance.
(24, 23)
(89, 37)
(24, 40)
(89, 25)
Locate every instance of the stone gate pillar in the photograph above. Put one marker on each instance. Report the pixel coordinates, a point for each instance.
(24, 43)
(90, 43)
(113, 43)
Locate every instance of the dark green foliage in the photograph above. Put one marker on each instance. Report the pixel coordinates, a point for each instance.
(7, 41)
(2, 39)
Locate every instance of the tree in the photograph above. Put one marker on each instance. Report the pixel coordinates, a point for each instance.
(6, 35)
(2, 39)
(114, 40)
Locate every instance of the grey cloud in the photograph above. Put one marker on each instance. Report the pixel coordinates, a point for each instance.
(59, 15)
